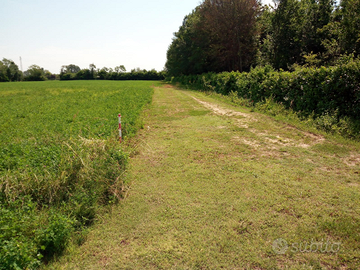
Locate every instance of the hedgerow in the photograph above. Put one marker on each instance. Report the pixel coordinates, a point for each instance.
(319, 93)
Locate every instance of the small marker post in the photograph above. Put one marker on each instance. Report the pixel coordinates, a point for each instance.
(120, 135)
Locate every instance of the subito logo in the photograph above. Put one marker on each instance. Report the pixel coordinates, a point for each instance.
(280, 246)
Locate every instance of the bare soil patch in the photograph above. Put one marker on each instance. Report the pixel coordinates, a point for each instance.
(273, 141)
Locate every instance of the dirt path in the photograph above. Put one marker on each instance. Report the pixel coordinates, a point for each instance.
(214, 186)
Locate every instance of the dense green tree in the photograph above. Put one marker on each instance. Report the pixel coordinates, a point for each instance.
(102, 73)
(120, 68)
(3, 73)
(70, 69)
(92, 69)
(286, 35)
(350, 26)
(231, 26)
(265, 52)
(9, 71)
(35, 73)
(330, 41)
(84, 74)
(189, 50)
(219, 35)
(297, 32)
(49, 75)
(316, 15)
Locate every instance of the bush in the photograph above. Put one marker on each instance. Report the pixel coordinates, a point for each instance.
(53, 236)
(28, 235)
(18, 220)
(67, 76)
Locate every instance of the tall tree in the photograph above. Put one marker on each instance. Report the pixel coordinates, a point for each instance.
(301, 30)
(265, 52)
(350, 26)
(3, 73)
(92, 69)
(219, 35)
(70, 69)
(232, 30)
(35, 73)
(10, 71)
(316, 14)
(120, 68)
(189, 50)
(287, 33)
(103, 73)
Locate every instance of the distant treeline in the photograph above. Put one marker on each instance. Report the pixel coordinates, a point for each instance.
(236, 35)
(72, 72)
(9, 72)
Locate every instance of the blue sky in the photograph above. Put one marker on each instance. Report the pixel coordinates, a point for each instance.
(106, 32)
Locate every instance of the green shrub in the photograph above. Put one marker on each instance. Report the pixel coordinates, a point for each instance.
(18, 221)
(67, 76)
(28, 235)
(53, 236)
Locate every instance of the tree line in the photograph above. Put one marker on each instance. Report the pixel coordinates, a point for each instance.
(9, 72)
(236, 35)
(73, 72)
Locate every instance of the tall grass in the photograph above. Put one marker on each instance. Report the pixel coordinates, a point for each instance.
(60, 160)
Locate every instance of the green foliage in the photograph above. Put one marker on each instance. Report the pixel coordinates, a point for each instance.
(18, 220)
(295, 30)
(225, 35)
(54, 235)
(68, 76)
(35, 73)
(84, 74)
(9, 71)
(120, 68)
(28, 234)
(109, 74)
(286, 32)
(70, 69)
(60, 160)
(3, 73)
(350, 26)
(188, 52)
(217, 36)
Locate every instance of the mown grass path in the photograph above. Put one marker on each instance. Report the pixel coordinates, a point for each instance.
(213, 186)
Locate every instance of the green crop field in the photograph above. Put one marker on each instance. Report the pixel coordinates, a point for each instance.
(59, 159)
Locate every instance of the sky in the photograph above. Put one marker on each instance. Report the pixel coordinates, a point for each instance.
(107, 33)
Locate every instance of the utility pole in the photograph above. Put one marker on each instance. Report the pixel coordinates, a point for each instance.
(21, 64)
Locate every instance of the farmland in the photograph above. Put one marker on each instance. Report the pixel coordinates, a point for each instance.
(213, 184)
(220, 186)
(60, 159)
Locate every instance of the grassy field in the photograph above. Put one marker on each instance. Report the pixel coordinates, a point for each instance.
(216, 186)
(60, 159)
